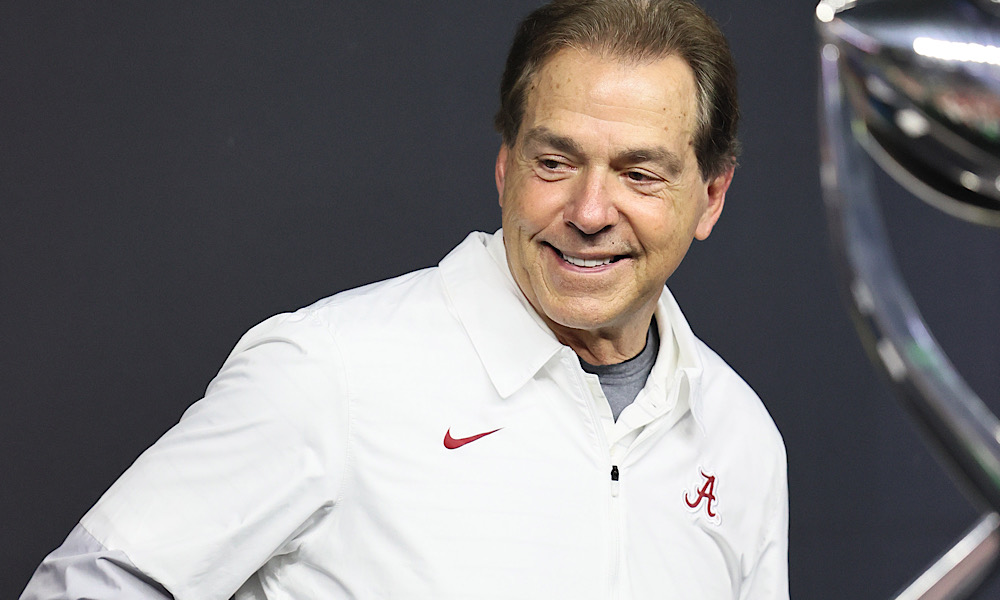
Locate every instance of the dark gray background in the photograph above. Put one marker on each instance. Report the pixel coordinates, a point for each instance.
(172, 174)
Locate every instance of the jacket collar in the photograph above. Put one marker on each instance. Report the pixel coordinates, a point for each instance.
(687, 363)
(514, 343)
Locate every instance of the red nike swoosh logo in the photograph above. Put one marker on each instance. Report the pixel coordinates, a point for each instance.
(452, 443)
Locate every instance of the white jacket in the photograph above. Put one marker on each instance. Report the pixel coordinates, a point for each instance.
(318, 464)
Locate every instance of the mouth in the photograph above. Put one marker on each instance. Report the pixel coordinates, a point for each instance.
(587, 263)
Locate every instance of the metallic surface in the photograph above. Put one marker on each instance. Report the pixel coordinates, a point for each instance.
(916, 85)
(958, 572)
(924, 79)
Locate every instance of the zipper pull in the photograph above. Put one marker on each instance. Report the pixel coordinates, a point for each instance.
(614, 480)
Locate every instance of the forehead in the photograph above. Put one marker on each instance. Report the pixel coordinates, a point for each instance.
(599, 93)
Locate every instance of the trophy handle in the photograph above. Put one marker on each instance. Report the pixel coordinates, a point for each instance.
(960, 570)
(965, 433)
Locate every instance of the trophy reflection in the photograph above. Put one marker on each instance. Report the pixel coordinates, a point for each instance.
(915, 85)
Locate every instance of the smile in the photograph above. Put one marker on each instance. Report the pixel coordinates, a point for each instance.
(587, 262)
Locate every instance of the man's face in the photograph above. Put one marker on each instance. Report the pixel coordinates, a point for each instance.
(601, 193)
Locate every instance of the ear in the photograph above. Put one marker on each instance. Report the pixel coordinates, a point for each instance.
(500, 171)
(717, 189)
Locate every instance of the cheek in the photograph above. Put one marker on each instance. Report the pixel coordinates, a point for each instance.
(531, 205)
(673, 219)
(654, 226)
(664, 237)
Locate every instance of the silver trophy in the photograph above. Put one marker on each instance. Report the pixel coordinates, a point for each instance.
(915, 85)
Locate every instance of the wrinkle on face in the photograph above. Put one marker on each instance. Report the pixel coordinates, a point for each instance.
(603, 167)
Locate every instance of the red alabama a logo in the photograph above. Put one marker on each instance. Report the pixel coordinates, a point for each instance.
(706, 493)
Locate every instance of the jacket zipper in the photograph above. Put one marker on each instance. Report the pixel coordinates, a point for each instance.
(613, 509)
(615, 534)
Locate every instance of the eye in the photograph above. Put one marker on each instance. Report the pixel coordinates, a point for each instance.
(639, 176)
(552, 168)
(643, 181)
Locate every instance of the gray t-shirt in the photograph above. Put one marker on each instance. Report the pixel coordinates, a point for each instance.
(622, 382)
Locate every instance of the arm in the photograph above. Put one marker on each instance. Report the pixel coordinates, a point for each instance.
(248, 469)
(769, 578)
(83, 568)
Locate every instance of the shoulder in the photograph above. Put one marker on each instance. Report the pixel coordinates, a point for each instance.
(339, 343)
(378, 304)
(731, 408)
(300, 362)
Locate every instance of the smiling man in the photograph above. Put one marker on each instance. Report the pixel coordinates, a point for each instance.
(532, 418)
(602, 195)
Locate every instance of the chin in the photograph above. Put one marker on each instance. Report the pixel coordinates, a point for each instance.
(588, 316)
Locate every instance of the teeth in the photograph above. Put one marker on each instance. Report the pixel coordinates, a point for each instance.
(584, 262)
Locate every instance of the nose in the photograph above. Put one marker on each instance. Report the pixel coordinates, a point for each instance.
(592, 209)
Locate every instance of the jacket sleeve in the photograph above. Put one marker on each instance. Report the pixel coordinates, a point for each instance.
(82, 568)
(246, 471)
(769, 578)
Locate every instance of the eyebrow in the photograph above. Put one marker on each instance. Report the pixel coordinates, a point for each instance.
(670, 161)
(546, 137)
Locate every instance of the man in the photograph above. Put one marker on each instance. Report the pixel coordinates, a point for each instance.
(533, 418)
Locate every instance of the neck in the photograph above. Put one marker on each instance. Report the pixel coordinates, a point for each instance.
(605, 346)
